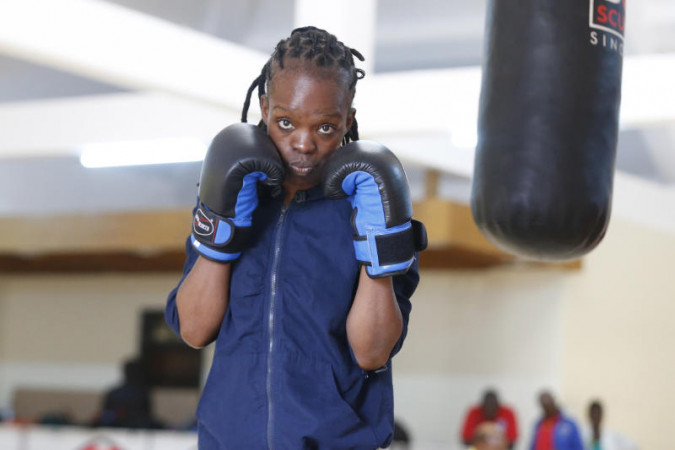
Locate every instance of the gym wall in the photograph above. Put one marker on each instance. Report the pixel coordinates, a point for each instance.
(600, 331)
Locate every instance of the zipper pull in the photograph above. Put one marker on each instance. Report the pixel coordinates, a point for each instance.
(300, 196)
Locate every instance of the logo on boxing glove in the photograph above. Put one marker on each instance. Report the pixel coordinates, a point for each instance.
(202, 225)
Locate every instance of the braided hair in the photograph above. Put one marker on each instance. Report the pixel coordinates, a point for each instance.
(321, 48)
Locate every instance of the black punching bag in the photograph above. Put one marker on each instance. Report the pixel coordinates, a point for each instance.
(548, 125)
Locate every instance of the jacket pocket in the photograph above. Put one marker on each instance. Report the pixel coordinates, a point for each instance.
(233, 405)
(314, 408)
(370, 396)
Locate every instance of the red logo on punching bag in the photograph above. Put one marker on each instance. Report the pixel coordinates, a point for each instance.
(608, 15)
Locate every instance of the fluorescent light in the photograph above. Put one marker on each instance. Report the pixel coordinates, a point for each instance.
(133, 153)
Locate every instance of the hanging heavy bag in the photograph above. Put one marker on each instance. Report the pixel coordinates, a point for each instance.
(548, 125)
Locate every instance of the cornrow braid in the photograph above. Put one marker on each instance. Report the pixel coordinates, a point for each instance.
(319, 47)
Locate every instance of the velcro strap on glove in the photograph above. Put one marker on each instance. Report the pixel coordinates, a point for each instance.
(390, 252)
(419, 235)
(216, 237)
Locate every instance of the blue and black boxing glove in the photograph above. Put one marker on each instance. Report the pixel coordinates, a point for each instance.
(385, 235)
(238, 158)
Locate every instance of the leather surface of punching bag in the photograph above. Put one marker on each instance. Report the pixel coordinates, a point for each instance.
(548, 125)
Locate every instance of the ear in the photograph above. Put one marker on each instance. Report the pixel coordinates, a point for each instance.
(264, 108)
(350, 118)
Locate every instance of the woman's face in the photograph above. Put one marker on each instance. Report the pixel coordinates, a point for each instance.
(307, 112)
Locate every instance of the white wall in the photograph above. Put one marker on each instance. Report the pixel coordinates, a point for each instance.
(72, 331)
(619, 333)
(471, 330)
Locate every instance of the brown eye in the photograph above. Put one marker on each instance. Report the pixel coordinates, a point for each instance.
(285, 124)
(326, 128)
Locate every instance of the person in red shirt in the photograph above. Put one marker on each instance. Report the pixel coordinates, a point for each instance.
(490, 410)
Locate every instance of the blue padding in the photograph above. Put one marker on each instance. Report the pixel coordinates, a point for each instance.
(213, 254)
(364, 195)
(247, 199)
(223, 232)
(391, 269)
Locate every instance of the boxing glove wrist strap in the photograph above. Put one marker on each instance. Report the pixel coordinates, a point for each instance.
(217, 237)
(391, 251)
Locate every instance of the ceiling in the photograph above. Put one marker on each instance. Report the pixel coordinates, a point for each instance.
(49, 104)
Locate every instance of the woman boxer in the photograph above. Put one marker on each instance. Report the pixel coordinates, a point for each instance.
(305, 322)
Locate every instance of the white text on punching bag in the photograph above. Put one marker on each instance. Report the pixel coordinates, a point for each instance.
(607, 40)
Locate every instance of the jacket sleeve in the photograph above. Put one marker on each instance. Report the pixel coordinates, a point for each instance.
(170, 311)
(404, 287)
(470, 423)
(512, 426)
(577, 443)
(534, 435)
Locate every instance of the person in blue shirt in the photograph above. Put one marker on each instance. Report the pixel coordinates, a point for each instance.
(555, 430)
(301, 264)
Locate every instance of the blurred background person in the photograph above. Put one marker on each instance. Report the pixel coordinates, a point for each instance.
(128, 404)
(555, 431)
(490, 411)
(599, 438)
(401, 439)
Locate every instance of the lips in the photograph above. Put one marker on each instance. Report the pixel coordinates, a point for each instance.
(301, 168)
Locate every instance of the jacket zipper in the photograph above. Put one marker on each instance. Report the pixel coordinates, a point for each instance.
(270, 324)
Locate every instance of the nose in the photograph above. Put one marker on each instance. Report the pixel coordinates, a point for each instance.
(303, 142)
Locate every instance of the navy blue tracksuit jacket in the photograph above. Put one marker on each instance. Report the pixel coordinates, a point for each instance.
(283, 374)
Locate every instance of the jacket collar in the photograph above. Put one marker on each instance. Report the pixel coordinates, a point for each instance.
(314, 193)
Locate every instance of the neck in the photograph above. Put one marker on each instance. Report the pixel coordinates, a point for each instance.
(596, 432)
(289, 194)
(552, 415)
(290, 189)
